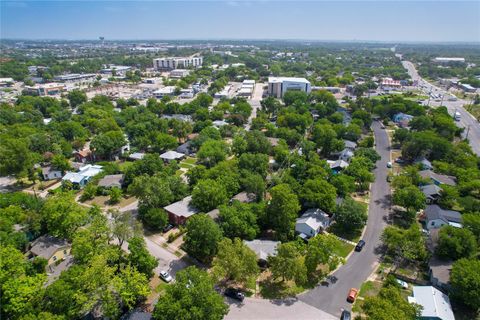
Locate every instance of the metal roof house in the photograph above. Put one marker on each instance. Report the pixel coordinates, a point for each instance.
(435, 304)
(311, 223)
(172, 155)
(437, 178)
(85, 174)
(110, 181)
(436, 217)
(178, 212)
(263, 249)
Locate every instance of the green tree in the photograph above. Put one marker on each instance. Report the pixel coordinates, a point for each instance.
(404, 245)
(132, 286)
(63, 216)
(288, 263)
(162, 142)
(471, 221)
(465, 281)
(191, 297)
(115, 195)
(235, 261)
(139, 256)
(212, 152)
(255, 163)
(455, 243)
(390, 304)
(106, 144)
(202, 237)
(208, 194)
(154, 218)
(239, 221)
(282, 210)
(344, 184)
(351, 215)
(318, 193)
(410, 197)
(320, 250)
(76, 98)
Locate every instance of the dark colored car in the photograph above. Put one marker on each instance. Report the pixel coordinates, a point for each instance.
(346, 315)
(167, 228)
(360, 246)
(234, 294)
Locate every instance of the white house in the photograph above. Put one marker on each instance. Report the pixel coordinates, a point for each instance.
(311, 223)
(435, 304)
(436, 217)
(85, 174)
(49, 173)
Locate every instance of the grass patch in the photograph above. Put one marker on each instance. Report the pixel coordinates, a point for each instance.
(370, 288)
(191, 161)
(474, 110)
(276, 289)
(343, 249)
(162, 286)
(178, 172)
(349, 235)
(178, 253)
(186, 165)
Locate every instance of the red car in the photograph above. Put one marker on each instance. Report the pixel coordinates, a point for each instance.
(352, 295)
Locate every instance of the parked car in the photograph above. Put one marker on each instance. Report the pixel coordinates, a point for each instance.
(165, 276)
(360, 246)
(352, 295)
(167, 228)
(234, 294)
(389, 164)
(402, 283)
(346, 315)
(399, 160)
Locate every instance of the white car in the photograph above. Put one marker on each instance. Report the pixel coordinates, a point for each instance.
(166, 276)
(389, 164)
(402, 283)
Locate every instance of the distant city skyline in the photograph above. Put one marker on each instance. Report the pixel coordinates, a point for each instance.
(382, 21)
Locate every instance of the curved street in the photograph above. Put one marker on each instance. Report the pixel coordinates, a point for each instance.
(330, 300)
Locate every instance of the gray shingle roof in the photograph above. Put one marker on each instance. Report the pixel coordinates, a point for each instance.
(46, 246)
(263, 248)
(182, 208)
(434, 212)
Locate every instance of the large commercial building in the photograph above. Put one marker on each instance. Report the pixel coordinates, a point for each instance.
(171, 63)
(449, 59)
(47, 89)
(277, 86)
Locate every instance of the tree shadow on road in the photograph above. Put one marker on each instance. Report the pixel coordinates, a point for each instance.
(385, 202)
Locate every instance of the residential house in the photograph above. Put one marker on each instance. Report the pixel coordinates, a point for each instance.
(136, 156)
(402, 119)
(432, 192)
(50, 248)
(437, 178)
(311, 223)
(111, 181)
(219, 123)
(273, 141)
(49, 173)
(346, 155)
(337, 165)
(185, 148)
(172, 155)
(424, 164)
(350, 145)
(439, 272)
(244, 197)
(263, 249)
(435, 304)
(86, 173)
(83, 156)
(178, 212)
(436, 217)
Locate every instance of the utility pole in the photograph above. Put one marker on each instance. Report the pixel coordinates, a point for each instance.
(468, 131)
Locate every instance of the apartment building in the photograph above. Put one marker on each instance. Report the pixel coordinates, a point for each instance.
(171, 63)
(277, 86)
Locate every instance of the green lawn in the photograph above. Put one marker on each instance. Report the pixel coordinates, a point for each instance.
(342, 249)
(352, 236)
(370, 288)
(191, 161)
(186, 165)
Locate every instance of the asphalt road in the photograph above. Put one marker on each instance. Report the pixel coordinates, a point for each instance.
(332, 298)
(467, 121)
(255, 103)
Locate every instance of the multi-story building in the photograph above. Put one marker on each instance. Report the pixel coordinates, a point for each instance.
(171, 63)
(277, 86)
(47, 89)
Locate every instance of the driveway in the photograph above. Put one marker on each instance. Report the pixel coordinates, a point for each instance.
(255, 103)
(359, 266)
(467, 121)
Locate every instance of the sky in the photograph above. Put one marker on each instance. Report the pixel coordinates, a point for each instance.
(381, 20)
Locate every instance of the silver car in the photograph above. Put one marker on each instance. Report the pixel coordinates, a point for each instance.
(165, 276)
